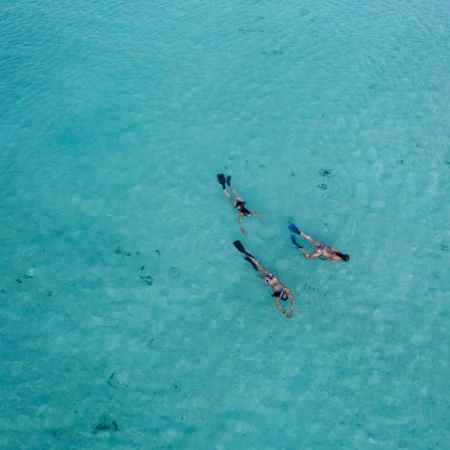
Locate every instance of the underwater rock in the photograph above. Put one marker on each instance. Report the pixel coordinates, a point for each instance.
(106, 424)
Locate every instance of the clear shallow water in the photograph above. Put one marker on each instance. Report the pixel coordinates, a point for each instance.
(128, 318)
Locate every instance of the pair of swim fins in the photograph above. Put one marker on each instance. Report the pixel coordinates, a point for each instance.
(294, 229)
(248, 256)
(222, 180)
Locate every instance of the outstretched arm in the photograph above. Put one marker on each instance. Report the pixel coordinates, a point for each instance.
(261, 217)
(277, 302)
(291, 310)
(244, 231)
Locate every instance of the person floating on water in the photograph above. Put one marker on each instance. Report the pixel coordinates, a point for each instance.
(280, 291)
(322, 251)
(238, 202)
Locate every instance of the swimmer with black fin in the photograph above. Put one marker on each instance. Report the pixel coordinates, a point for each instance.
(238, 202)
(279, 290)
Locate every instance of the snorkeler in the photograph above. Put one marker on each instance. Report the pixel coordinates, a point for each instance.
(322, 251)
(280, 291)
(238, 202)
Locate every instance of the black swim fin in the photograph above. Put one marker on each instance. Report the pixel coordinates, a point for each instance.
(221, 179)
(240, 247)
(229, 180)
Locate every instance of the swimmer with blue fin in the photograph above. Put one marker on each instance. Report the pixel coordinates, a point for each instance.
(238, 202)
(322, 251)
(280, 291)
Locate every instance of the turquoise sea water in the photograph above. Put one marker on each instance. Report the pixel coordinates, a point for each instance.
(128, 319)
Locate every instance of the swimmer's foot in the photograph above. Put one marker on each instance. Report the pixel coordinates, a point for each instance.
(221, 179)
(229, 180)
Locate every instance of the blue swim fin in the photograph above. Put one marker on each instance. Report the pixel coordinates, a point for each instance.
(294, 241)
(293, 228)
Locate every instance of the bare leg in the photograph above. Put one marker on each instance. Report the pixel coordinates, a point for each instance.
(262, 272)
(312, 255)
(235, 192)
(310, 239)
(233, 202)
(261, 217)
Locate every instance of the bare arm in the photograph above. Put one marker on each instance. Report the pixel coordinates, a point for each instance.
(277, 302)
(261, 217)
(283, 311)
(244, 231)
(291, 310)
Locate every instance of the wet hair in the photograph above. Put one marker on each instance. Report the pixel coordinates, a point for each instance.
(278, 293)
(343, 256)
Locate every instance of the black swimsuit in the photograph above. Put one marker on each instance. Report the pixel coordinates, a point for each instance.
(240, 206)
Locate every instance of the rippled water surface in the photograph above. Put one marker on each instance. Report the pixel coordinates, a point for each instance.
(128, 319)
